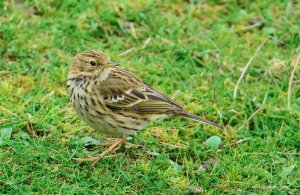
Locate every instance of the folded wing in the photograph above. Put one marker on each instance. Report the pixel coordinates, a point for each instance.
(124, 91)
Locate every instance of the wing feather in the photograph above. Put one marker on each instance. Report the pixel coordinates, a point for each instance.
(124, 91)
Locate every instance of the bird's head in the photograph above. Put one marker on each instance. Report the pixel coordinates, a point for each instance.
(88, 62)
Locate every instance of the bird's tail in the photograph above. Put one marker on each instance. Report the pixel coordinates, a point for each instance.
(197, 118)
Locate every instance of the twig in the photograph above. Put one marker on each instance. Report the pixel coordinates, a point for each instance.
(10, 112)
(239, 141)
(133, 32)
(108, 156)
(146, 43)
(281, 128)
(30, 130)
(281, 153)
(279, 132)
(127, 51)
(247, 66)
(47, 96)
(204, 165)
(113, 155)
(165, 40)
(194, 36)
(221, 118)
(28, 124)
(249, 27)
(172, 145)
(176, 94)
(291, 82)
(253, 114)
(4, 72)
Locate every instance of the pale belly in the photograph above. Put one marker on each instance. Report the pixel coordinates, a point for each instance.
(104, 120)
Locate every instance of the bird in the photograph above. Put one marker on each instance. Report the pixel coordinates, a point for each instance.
(114, 101)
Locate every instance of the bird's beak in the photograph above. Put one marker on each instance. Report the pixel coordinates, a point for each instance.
(113, 63)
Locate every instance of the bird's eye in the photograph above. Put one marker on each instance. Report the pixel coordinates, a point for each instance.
(93, 63)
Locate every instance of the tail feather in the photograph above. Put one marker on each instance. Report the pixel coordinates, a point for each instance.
(197, 118)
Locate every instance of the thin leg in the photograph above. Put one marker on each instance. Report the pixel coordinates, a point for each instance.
(117, 142)
(113, 145)
(110, 142)
(105, 144)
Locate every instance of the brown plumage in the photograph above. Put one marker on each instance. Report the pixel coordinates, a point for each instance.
(114, 101)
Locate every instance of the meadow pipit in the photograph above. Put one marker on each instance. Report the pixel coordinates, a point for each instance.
(114, 101)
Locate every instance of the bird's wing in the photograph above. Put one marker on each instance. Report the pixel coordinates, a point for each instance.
(124, 91)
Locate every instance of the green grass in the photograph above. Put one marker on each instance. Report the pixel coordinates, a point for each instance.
(195, 51)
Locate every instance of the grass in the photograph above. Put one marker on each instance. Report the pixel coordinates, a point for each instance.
(194, 50)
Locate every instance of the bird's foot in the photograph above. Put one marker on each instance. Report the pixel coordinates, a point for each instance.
(113, 145)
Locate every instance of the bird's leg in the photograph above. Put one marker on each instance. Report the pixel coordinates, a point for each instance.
(114, 145)
(109, 142)
(104, 144)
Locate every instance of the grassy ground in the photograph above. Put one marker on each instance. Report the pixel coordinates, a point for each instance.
(192, 51)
